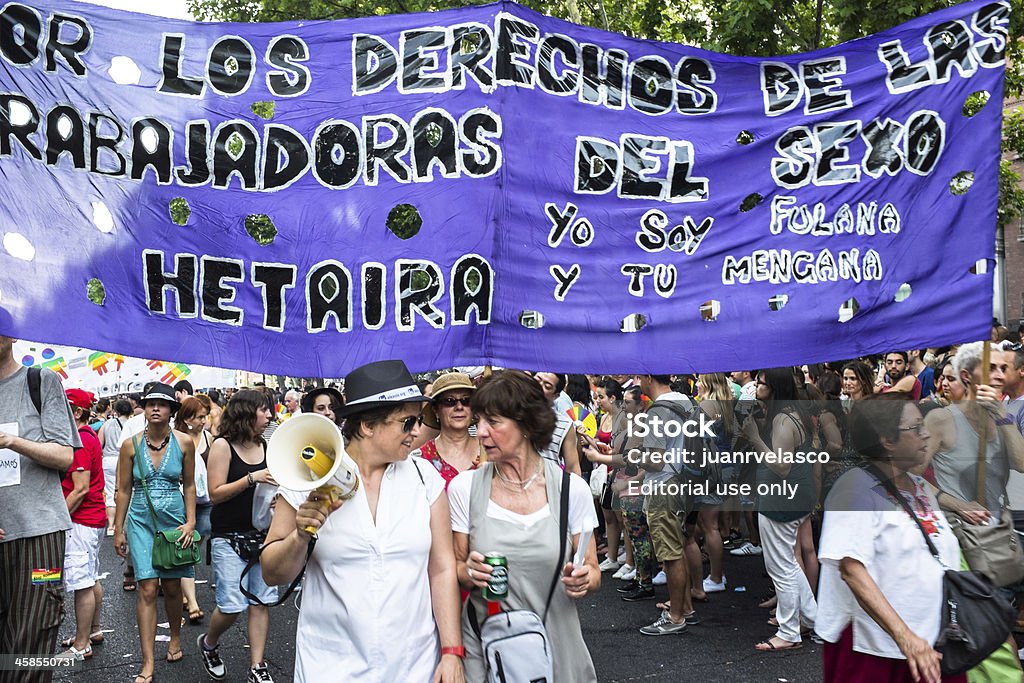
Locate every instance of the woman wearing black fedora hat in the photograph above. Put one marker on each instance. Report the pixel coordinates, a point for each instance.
(326, 401)
(380, 586)
(152, 466)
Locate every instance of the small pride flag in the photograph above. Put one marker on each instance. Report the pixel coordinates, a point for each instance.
(46, 575)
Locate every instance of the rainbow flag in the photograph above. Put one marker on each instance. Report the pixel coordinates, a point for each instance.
(580, 414)
(46, 575)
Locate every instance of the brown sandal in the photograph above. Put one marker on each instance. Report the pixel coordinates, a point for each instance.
(771, 647)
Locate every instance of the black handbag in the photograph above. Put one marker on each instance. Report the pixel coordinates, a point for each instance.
(976, 620)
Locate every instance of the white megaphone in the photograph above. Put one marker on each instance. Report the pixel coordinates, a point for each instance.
(307, 452)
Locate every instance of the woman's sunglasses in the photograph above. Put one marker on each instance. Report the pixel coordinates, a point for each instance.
(410, 422)
(451, 402)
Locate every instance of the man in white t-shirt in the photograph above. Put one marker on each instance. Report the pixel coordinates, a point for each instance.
(136, 423)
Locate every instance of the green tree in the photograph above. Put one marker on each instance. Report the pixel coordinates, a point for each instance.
(757, 28)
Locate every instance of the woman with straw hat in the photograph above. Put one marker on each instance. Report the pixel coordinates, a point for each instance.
(454, 450)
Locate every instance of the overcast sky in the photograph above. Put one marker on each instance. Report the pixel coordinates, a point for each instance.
(163, 8)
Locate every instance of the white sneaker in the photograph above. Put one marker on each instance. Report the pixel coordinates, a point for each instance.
(621, 559)
(712, 587)
(624, 569)
(747, 548)
(608, 565)
(660, 579)
(630, 575)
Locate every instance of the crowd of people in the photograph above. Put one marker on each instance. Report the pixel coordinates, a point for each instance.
(457, 470)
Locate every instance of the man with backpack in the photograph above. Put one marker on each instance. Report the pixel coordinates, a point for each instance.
(662, 454)
(37, 441)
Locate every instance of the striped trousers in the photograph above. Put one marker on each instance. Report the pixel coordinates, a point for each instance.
(30, 614)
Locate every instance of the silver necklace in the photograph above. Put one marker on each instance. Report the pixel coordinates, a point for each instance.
(517, 484)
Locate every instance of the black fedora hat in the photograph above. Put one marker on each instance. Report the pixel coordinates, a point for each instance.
(163, 392)
(375, 385)
(309, 399)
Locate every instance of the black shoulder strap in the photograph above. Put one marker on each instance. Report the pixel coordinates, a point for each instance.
(674, 407)
(291, 588)
(894, 492)
(563, 530)
(34, 382)
(420, 474)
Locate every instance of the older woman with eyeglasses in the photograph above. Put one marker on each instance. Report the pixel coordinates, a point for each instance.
(454, 450)
(380, 596)
(881, 589)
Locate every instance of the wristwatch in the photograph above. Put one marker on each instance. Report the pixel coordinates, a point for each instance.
(252, 482)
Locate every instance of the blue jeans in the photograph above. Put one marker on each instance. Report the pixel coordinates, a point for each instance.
(227, 571)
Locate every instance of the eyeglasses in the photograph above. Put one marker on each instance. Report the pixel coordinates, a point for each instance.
(409, 422)
(451, 401)
(917, 429)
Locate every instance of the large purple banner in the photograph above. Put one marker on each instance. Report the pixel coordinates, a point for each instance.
(492, 186)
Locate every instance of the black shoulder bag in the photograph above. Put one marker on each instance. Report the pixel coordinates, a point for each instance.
(976, 620)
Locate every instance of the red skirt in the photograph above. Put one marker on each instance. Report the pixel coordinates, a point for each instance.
(843, 665)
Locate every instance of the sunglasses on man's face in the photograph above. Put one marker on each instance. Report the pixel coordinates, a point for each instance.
(451, 401)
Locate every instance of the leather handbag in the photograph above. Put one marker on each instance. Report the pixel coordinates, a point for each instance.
(976, 620)
(167, 551)
(168, 554)
(992, 549)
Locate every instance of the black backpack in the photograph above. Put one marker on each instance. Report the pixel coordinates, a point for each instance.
(34, 381)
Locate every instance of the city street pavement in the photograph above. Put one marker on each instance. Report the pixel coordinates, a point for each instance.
(718, 649)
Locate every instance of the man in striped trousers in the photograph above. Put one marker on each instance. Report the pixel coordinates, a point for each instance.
(37, 442)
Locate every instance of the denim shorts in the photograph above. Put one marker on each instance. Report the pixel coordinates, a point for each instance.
(227, 569)
(203, 519)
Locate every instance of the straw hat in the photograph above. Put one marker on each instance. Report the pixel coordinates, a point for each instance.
(449, 381)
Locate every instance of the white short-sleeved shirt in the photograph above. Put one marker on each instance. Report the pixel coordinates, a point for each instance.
(864, 524)
(367, 615)
(132, 426)
(582, 516)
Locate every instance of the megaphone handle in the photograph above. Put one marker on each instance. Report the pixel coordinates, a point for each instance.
(328, 500)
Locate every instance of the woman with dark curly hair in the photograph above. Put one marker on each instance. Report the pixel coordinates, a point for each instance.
(237, 462)
(511, 506)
